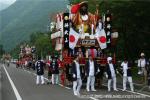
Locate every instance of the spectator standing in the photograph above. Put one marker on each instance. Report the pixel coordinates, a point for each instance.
(40, 71)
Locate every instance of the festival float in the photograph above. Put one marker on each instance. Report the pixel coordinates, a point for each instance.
(26, 55)
(6, 58)
(80, 32)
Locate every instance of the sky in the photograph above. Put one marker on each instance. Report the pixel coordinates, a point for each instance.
(7, 1)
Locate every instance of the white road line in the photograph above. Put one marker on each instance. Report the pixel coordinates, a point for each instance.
(48, 79)
(93, 98)
(60, 84)
(64, 86)
(103, 85)
(13, 85)
(67, 87)
(132, 92)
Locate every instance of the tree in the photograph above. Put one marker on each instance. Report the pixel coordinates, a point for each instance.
(1, 50)
(42, 45)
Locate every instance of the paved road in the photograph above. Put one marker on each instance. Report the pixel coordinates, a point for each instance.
(25, 89)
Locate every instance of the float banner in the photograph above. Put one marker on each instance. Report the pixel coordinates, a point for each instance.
(66, 29)
(108, 28)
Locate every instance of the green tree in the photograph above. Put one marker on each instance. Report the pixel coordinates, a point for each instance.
(1, 50)
(42, 44)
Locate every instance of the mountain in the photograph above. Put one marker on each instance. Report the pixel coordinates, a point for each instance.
(24, 17)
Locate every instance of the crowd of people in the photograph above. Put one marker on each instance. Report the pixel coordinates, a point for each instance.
(90, 73)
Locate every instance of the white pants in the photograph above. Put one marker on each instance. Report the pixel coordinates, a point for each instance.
(129, 78)
(77, 86)
(90, 82)
(55, 78)
(38, 78)
(114, 83)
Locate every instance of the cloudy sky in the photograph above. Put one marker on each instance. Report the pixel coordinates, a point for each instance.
(7, 1)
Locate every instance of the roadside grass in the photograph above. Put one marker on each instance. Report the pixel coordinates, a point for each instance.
(137, 78)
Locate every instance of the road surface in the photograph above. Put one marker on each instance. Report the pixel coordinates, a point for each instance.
(19, 84)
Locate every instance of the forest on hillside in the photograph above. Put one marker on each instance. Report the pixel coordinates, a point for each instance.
(25, 17)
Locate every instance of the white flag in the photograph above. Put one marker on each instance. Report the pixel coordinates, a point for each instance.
(101, 38)
(73, 38)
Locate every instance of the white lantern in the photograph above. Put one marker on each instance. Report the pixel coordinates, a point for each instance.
(114, 35)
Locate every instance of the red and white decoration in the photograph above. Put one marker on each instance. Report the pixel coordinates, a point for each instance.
(59, 22)
(101, 38)
(73, 38)
(59, 44)
(56, 35)
(92, 52)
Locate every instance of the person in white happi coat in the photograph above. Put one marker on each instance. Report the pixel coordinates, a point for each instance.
(91, 71)
(76, 76)
(111, 72)
(142, 64)
(127, 75)
(142, 67)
